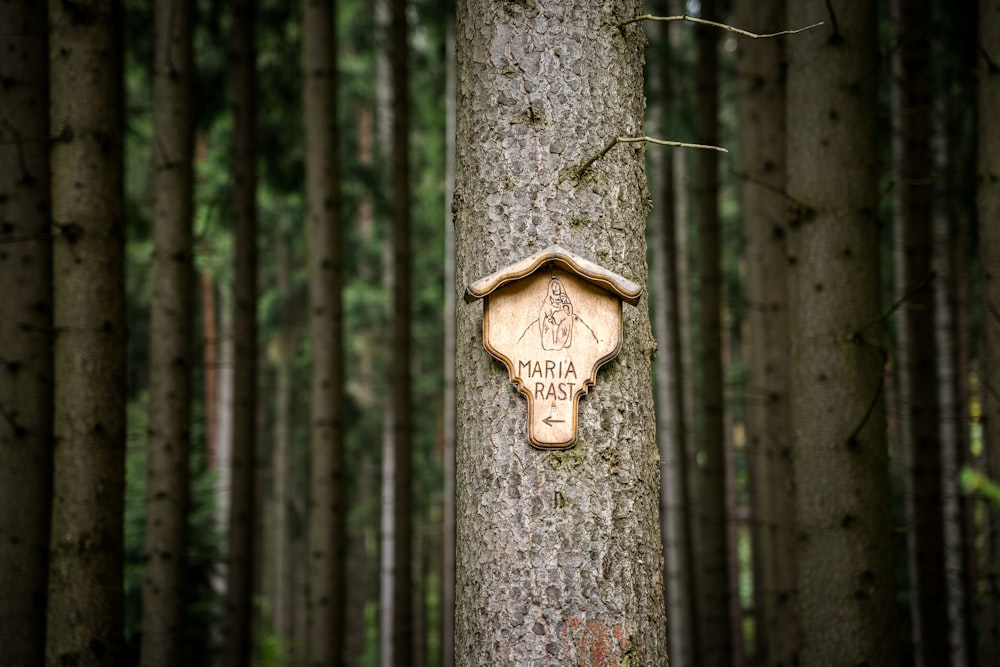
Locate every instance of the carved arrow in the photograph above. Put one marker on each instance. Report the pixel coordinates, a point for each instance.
(549, 421)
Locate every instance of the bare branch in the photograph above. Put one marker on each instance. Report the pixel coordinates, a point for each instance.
(714, 24)
(633, 140)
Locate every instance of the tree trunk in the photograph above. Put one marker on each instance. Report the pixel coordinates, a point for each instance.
(559, 554)
(715, 594)
(396, 622)
(448, 427)
(916, 343)
(845, 577)
(675, 508)
(327, 511)
(764, 212)
(170, 341)
(86, 116)
(25, 334)
(240, 573)
(989, 265)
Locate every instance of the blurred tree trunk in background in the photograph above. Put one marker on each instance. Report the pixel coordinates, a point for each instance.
(397, 562)
(327, 503)
(85, 596)
(280, 564)
(916, 346)
(845, 577)
(451, 291)
(715, 596)
(171, 356)
(672, 428)
(953, 195)
(761, 105)
(25, 333)
(240, 574)
(988, 133)
(559, 553)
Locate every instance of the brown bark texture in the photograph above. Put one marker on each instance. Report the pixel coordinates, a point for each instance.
(761, 108)
(86, 116)
(25, 333)
(171, 355)
(240, 571)
(327, 511)
(843, 557)
(559, 554)
(988, 197)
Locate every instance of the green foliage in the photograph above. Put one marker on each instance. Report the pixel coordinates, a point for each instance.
(973, 481)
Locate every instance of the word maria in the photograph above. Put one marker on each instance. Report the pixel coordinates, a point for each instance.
(547, 379)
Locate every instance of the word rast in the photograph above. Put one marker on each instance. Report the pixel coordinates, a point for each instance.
(553, 319)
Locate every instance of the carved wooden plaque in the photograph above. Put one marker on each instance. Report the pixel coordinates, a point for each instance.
(553, 319)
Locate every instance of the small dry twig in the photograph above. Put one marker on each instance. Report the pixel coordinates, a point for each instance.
(714, 24)
(632, 140)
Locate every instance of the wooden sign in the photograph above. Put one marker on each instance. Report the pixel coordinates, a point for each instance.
(553, 319)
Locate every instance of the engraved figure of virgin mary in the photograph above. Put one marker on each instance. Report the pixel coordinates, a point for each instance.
(555, 318)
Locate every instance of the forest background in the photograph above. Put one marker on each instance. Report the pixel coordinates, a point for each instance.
(701, 88)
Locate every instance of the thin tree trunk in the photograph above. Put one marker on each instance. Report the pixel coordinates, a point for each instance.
(916, 342)
(278, 549)
(675, 510)
(559, 553)
(448, 427)
(210, 361)
(25, 333)
(952, 425)
(397, 561)
(715, 594)
(240, 575)
(282, 462)
(327, 511)
(989, 265)
(843, 557)
(764, 211)
(85, 599)
(171, 355)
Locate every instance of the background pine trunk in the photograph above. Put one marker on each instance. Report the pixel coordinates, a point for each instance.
(85, 597)
(171, 355)
(327, 507)
(559, 554)
(240, 573)
(846, 590)
(761, 84)
(25, 333)
(715, 596)
(989, 266)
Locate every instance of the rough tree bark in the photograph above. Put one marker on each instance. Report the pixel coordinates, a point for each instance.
(843, 556)
(989, 266)
(761, 83)
(327, 511)
(559, 554)
(240, 571)
(170, 341)
(86, 119)
(25, 333)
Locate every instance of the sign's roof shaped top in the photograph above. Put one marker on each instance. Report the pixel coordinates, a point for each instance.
(620, 286)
